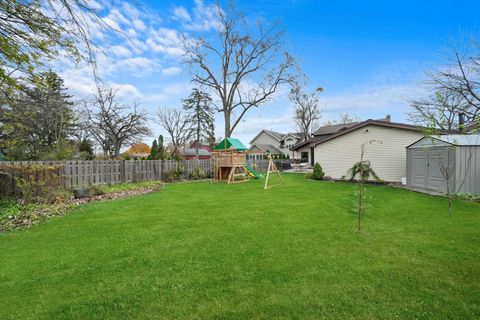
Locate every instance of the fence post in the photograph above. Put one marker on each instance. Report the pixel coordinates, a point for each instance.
(122, 171)
(162, 168)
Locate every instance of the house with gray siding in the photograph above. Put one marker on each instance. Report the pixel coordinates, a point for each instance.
(276, 143)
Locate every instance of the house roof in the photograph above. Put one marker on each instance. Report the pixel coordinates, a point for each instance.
(321, 139)
(331, 129)
(265, 148)
(455, 139)
(298, 135)
(473, 127)
(192, 152)
(230, 143)
(276, 135)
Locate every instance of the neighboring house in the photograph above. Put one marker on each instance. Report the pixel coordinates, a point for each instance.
(337, 148)
(190, 153)
(201, 146)
(276, 143)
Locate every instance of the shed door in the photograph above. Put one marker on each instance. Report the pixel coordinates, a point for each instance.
(437, 160)
(426, 168)
(419, 168)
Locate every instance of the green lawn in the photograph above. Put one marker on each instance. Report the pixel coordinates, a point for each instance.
(209, 250)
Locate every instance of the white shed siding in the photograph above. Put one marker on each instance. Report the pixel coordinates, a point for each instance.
(467, 172)
(388, 159)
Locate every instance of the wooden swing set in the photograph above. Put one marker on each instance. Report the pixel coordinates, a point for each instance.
(230, 163)
(272, 168)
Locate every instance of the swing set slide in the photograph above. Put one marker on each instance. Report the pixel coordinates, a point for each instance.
(252, 173)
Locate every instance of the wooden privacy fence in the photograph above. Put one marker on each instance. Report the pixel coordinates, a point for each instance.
(90, 172)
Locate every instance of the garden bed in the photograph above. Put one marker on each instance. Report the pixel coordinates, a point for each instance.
(16, 215)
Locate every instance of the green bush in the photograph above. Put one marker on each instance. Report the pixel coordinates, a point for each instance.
(364, 170)
(197, 174)
(174, 175)
(317, 172)
(38, 183)
(95, 190)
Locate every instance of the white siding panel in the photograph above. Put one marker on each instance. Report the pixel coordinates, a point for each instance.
(388, 159)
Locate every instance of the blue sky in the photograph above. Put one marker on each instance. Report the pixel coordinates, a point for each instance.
(369, 56)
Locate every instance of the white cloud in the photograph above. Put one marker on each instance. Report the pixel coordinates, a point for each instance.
(171, 71)
(139, 25)
(127, 91)
(181, 14)
(121, 51)
(112, 23)
(118, 17)
(374, 98)
(203, 17)
(95, 5)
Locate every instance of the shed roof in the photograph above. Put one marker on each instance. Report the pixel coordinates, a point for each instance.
(451, 139)
(460, 139)
(230, 143)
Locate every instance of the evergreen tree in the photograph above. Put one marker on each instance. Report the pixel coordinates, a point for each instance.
(200, 113)
(161, 148)
(86, 146)
(154, 150)
(317, 172)
(38, 121)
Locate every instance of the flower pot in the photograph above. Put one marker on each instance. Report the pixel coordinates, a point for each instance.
(79, 193)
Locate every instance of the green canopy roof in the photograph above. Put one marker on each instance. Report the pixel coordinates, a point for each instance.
(230, 143)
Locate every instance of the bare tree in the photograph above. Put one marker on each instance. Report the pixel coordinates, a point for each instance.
(345, 118)
(307, 109)
(441, 110)
(114, 124)
(242, 68)
(460, 77)
(177, 125)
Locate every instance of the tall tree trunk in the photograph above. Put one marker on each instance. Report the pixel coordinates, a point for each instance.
(116, 150)
(227, 125)
(198, 129)
(198, 140)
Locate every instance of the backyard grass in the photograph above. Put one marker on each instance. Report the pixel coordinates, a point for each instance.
(207, 250)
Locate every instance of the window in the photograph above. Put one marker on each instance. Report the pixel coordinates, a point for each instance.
(304, 156)
(289, 143)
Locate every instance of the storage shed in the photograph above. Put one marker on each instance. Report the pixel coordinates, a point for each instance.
(434, 161)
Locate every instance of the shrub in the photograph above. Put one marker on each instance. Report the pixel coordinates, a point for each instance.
(364, 170)
(197, 174)
(174, 175)
(317, 172)
(95, 190)
(38, 183)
